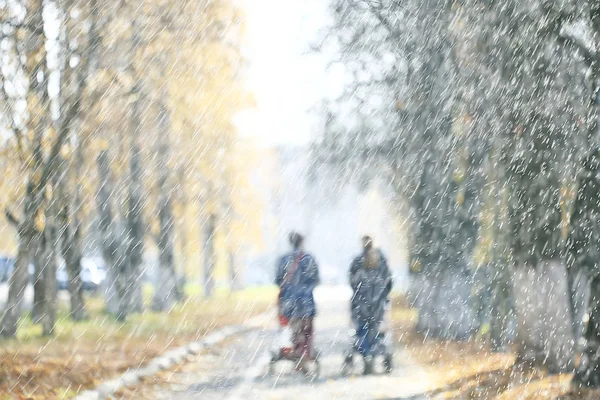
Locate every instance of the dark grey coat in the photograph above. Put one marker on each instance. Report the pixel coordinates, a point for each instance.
(371, 287)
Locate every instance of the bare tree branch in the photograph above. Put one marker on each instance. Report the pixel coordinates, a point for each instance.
(11, 218)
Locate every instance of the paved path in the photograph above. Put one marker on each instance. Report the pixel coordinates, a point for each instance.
(238, 368)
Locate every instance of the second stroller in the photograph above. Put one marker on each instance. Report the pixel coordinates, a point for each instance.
(371, 283)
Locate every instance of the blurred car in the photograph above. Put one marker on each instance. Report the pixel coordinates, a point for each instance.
(11, 267)
(93, 274)
(7, 264)
(61, 273)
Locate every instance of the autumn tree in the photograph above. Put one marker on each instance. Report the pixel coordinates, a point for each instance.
(137, 144)
(513, 73)
(39, 140)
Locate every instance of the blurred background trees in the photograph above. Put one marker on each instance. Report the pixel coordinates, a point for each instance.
(117, 141)
(486, 114)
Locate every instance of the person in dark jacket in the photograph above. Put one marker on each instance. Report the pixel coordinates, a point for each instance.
(371, 283)
(297, 276)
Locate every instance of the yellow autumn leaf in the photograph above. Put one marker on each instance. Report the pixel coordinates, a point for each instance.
(40, 221)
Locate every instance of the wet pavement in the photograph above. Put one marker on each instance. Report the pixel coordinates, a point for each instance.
(238, 368)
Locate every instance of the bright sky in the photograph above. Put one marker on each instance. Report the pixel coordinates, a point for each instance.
(285, 76)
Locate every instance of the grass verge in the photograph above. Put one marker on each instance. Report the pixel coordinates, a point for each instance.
(469, 370)
(81, 355)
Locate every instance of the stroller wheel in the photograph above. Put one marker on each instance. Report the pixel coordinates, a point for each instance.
(368, 365)
(272, 363)
(312, 370)
(388, 363)
(271, 367)
(346, 370)
(317, 371)
(348, 365)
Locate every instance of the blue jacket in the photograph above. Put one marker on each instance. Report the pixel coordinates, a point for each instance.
(296, 296)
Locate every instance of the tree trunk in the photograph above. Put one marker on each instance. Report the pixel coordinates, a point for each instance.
(584, 250)
(71, 245)
(134, 234)
(17, 285)
(50, 249)
(72, 255)
(39, 281)
(581, 298)
(502, 311)
(425, 289)
(588, 372)
(166, 292)
(455, 319)
(71, 251)
(234, 273)
(209, 255)
(544, 327)
(573, 286)
(135, 229)
(48, 318)
(111, 242)
(29, 240)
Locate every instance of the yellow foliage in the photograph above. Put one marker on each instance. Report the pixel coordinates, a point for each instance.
(188, 60)
(40, 221)
(415, 266)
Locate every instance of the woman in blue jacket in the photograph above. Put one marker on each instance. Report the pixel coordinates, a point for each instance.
(297, 276)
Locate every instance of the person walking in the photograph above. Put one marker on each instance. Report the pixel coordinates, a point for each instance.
(297, 276)
(371, 283)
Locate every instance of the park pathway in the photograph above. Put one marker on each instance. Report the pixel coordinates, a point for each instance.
(237, 369)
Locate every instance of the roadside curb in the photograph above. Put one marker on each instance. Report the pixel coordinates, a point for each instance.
(170, 359)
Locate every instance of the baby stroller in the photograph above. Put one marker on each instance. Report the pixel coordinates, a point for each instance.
(303, 355)
(371, 339)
